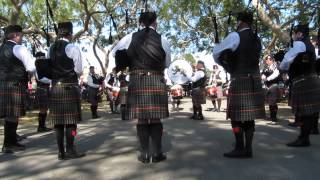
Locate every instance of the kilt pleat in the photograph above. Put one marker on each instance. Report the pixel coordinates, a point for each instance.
(147, 97)
(12, 99)
(42, 94)
(93, 95)
(246, 98)
(305, 96)
(272, 94)
(65, 104)
(198, 96)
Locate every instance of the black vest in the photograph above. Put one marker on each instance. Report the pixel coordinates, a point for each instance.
(95, 80)
(146, 51)
(11, 68)
(201, 82)
(246, 57)
(268, 71)
(112, 79)
(43, 67)
(62, 65)
(303, 63)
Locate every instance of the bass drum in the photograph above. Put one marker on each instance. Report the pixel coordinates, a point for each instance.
(179, 71)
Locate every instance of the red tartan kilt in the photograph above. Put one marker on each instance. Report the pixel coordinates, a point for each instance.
(305, 96)
(65, 105)
(246, 99)
(147, 96)
(12, 99)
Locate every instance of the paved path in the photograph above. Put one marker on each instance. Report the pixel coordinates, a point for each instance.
(194, 150)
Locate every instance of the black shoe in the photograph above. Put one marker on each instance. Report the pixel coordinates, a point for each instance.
(158, 158)
(74, 155)
(237, 154)
(144, 158)
(7, 150)
(194, 117)
(200, 117)
(95, 116)
(293, 124)
(314, 131)
(20, 138)
(61, 156)
(299, 143)
(13, 148)
(43, 129)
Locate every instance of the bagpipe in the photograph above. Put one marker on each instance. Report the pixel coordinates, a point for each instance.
(43, 66)
(122, 60)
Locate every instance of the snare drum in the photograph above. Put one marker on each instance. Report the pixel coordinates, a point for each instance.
(211, 90)
(115, 92)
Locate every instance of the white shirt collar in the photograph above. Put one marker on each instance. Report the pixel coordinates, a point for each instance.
(12, 41)
(243, 29)
(64, 39)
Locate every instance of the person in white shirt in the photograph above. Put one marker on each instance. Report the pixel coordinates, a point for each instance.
(300, 61)
(112, 84)
(16, 62)
(43, 76)
(198, 80)
(270, 77)
(239, 54)
(215, 81)
(94, 85)
(65, 104)
(148, 55)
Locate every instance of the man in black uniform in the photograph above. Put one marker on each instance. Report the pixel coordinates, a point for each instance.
(65, 107)
(94, 83)
(43, 87)
(198, 90)
(149, 54)
(299, 61)
(15, 63)
(270, 77)
(239, 54)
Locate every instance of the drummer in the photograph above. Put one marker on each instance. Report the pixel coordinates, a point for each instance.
(113, 87)
(215, 81)
(176, 96)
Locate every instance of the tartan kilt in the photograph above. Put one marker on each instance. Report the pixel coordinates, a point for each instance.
(65, 104)
(12, 99)
(245, 98)
(198, 96)
(93, 95)
(147, 96)
(272, 94)
(42, 94)
(123, 95)
(305, 95)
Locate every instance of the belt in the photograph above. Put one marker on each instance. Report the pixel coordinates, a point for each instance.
(145, 72)
(64, 84)
(303, 77)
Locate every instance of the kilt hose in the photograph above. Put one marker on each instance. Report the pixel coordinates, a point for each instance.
(123, 95)
(42, 94)
(305, 95)
(245, 98)
(147, 97)
(198, 96)
(93, 96)
(12, 99)
(272, 95)
(65, 104)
